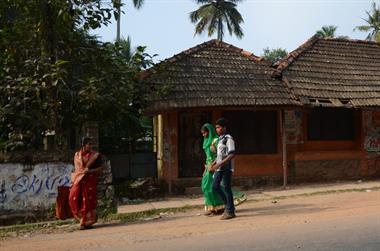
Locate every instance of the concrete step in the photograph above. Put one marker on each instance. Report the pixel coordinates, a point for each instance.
(198, 190)
(193, 190)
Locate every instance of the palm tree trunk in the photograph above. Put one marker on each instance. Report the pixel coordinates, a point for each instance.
(49, 53)
(118, 22)
(220, 29)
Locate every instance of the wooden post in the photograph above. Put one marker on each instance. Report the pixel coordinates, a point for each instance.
(160, 145)
(167, 139)
(170, 169)
(284, 153)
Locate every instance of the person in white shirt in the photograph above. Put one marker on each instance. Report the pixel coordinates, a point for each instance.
(223, 168)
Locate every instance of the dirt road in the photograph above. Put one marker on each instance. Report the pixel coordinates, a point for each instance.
(345, 221)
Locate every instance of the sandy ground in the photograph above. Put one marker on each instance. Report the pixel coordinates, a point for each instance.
(323, 222)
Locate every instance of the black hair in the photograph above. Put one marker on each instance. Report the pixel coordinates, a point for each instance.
(204, 128)
(85, 141)
(222, 122)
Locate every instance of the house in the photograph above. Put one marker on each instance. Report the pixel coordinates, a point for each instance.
(338, 83)
(212, 80)
(310, 117)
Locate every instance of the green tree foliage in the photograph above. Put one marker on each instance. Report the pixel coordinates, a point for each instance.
(54, 76)
(274, 55)
(125, 48)
(373, 23)
(215, 15)
(327, 31)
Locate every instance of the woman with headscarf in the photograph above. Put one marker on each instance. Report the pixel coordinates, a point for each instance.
(213, 203)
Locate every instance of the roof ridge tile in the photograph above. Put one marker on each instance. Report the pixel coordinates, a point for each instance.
(282, 64)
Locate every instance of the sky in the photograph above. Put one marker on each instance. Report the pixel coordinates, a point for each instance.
(165, 28)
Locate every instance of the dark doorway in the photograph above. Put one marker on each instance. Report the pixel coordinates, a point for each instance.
(191, 155)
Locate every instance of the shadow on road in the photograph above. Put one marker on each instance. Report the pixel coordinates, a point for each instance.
(276, 209)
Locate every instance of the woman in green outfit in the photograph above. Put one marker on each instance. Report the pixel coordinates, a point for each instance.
(213, 203)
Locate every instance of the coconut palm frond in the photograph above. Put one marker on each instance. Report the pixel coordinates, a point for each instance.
(216, 15)
(373, 23)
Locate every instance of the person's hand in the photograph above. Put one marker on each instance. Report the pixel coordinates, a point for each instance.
(213, 167)
(216, 166)
(86, 170)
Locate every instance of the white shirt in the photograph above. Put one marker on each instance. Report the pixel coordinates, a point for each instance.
(225, 147)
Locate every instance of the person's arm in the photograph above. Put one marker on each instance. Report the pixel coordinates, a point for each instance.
(101, 167)
(210, 168)
(97, 170)
(216, 166)
(213, 145)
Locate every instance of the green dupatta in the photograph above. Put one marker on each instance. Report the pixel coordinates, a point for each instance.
(207, 141)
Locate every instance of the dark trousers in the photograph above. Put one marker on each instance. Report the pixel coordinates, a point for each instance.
(226, 195)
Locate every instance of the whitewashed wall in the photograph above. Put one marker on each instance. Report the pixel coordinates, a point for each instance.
(31, 187)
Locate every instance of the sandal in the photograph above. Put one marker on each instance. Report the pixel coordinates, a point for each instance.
(209, 213)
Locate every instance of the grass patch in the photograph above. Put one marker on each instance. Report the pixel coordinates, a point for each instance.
(32, 227)
(17, 230)
(130, 217)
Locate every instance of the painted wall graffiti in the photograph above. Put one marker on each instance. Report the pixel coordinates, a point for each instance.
(3, 195)
(293, 127)
(33, 187)
(371, 128)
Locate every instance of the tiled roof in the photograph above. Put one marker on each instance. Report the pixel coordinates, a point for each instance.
(334, 72)
(216, 74)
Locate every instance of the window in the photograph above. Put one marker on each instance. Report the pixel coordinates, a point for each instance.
(253, 132)
(331, 124)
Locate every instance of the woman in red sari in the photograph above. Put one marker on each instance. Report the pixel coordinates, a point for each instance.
(84, 179)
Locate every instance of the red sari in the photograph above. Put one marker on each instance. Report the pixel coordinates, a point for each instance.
(82, 196)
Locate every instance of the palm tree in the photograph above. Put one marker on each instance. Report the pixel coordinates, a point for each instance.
(214, 15)
(373, 24)
(118, 4)
(327, 31)
(125, 48)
